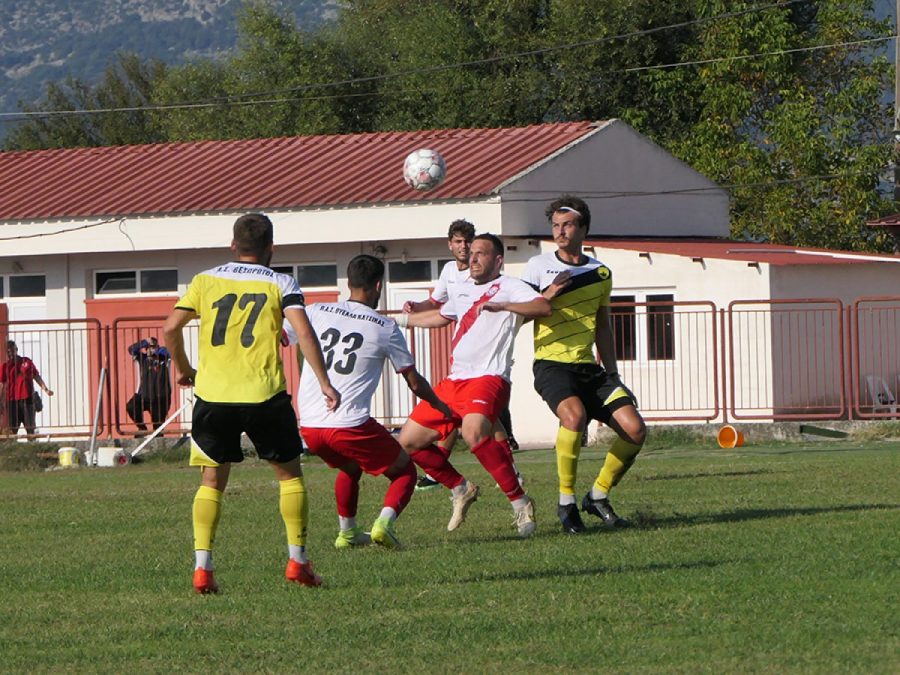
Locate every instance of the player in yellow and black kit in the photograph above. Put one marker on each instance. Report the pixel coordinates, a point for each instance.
(240, 387)
(566, 373)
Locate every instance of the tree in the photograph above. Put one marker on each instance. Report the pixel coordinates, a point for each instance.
(806, 133)
(128, 83)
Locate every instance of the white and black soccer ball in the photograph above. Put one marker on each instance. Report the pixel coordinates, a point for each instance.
(424, 169)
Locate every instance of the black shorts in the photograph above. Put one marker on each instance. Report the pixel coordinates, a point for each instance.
(556, 381)
(271, 426)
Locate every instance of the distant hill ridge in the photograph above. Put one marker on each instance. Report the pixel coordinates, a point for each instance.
(48, 40)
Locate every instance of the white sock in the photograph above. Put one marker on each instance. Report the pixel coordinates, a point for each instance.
(520, 503)
(460, 489)
(297, 553)
(598, 494)
(431, 478)
(204, 559)
(565, 500)
(389, 513)
(347, 524)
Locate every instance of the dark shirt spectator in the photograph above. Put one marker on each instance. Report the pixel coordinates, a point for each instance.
(154, 393)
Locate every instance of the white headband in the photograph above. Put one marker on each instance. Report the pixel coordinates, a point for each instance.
(571, 210)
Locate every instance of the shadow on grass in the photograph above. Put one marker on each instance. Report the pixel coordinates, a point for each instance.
(649, 521)
(704, 474)
(589, 571)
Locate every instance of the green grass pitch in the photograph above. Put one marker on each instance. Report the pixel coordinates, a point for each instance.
(765, 559)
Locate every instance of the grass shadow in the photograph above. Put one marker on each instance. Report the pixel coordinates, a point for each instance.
(645, 521)
(705, 474)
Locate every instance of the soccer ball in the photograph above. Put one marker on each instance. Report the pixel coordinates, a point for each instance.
(424, 169)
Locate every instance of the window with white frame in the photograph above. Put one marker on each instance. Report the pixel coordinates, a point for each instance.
(311, 275)
(644, 326)
(126, 282)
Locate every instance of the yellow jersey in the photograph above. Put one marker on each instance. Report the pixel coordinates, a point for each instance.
(567, 335)
(241, 309)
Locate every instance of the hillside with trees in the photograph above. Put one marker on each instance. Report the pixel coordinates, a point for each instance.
(782, 103)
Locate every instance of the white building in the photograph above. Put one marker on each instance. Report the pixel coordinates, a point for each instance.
(111, 236)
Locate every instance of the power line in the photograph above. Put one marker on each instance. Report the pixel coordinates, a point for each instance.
(237, 99)
(21, 116)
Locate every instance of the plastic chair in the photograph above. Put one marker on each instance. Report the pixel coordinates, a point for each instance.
(881, 395)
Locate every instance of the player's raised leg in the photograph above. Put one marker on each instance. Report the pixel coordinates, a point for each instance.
(477, 431)
(632, 432)
(418, 440)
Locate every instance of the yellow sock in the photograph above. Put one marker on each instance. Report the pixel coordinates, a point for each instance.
(294, 510)
(618, 460)
(568, 447)
(206, 512)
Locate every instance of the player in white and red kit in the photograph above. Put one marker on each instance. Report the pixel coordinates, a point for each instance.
(488, 313)
(355, 342)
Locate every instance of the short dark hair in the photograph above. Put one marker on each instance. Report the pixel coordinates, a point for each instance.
(364, 271)
(571, 203)
(463, 228)
(253, 232)
(10, 344)
(495, 240)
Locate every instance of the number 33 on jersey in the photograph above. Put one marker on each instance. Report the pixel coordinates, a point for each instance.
(239, 358)
(355, 342)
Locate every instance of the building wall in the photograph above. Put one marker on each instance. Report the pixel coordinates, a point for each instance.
(630, 184)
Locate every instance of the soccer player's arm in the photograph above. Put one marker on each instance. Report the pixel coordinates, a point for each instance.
(426, 305)
(603, 340)
(523, 301)
(312, 353)
(430, 319)
(174, 337)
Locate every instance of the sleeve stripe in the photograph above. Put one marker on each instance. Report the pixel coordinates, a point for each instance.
(293, 300)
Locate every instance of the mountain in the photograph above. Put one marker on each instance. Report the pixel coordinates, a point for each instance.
(48, 40)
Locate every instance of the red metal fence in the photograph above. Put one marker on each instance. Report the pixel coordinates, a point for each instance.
(754, 360)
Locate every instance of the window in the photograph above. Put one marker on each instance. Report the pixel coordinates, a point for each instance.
(644, 327)
(623, 324)
(27, 286)
(660, 328)
(158, 281)
(315, 276)
(135, 281)
(413, 270)
(311, 276)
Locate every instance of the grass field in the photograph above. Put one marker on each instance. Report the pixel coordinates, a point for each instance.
(776, 559)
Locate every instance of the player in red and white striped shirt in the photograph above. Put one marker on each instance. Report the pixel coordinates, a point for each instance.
(488, 313)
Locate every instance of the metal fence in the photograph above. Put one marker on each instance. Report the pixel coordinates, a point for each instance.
(809, 358)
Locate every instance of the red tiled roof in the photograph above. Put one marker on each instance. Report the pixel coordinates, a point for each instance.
(270, 173)
(744, 251)
(886, 221)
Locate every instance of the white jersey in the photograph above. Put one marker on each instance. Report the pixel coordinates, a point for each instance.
(449, 277)
(483, 342)
(355, 342)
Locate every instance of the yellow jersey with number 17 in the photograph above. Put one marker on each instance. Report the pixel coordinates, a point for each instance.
(241, 308)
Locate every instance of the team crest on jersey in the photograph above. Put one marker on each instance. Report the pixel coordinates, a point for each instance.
(603, 273)
(493, 290)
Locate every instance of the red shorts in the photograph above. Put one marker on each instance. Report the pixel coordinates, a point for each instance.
(487, 395)
(370, 445)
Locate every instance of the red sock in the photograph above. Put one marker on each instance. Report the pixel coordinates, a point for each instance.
(346, 493)
(494, 458)
(400, 491)
(436, 464)
(506, 449)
